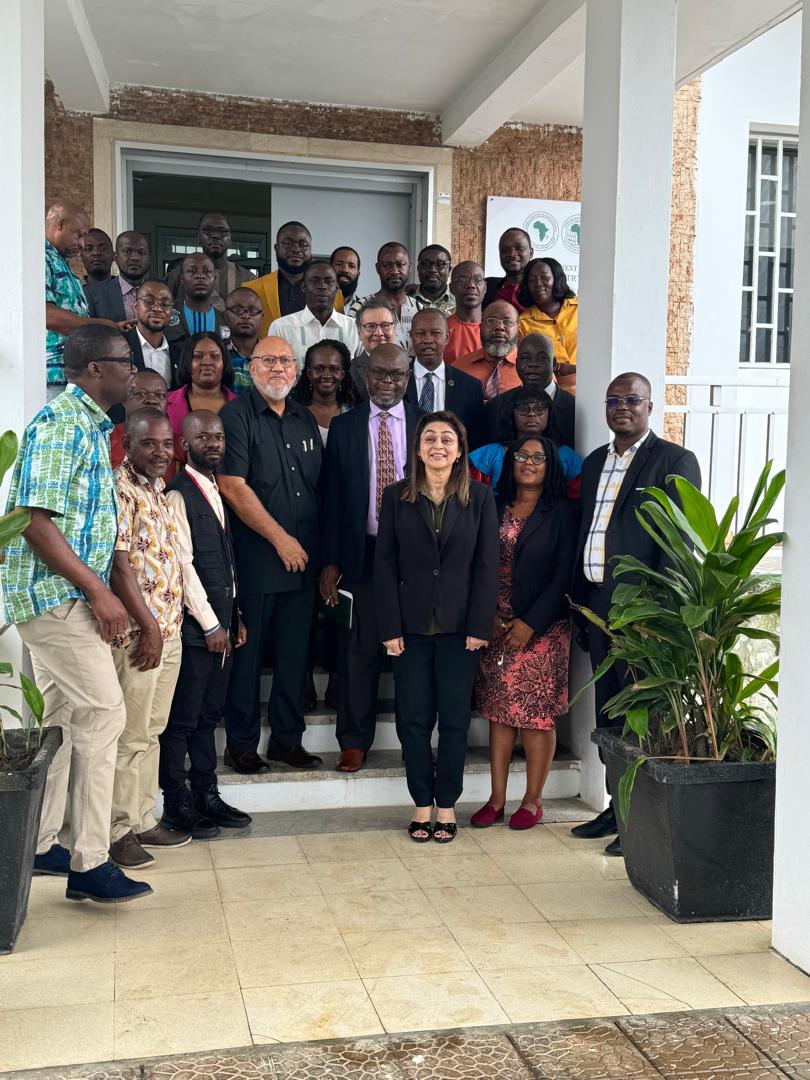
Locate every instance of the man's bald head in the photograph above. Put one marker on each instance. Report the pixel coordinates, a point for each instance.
(66, 226)
(387, 374)
(203, 440)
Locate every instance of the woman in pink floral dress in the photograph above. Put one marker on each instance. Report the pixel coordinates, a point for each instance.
(523, 679)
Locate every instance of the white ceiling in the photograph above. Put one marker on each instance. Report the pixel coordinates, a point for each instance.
(415, 55)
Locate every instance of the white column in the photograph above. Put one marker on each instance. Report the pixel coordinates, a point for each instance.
(791, 890)
(626, 206)
(22, 197)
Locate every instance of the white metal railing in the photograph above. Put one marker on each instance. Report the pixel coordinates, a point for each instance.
(734, 425)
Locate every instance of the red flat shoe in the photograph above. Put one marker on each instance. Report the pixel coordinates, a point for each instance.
(524, 818)
(486, 816)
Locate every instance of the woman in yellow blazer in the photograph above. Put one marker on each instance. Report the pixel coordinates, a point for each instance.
(551, 309)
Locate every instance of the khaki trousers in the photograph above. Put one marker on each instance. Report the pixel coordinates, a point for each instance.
(148, 699)
(74, 670)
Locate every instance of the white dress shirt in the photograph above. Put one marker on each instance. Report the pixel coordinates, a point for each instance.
(195, 597)
(303, 329)
(157, 359)
(439, 383)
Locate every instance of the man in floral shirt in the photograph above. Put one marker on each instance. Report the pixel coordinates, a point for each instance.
(147, 578)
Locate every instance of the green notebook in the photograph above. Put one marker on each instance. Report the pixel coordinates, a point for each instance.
(342, 612)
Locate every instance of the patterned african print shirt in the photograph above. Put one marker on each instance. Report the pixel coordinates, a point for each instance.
(63, 465)
(446, 303)
(64, 289)
(146, 530)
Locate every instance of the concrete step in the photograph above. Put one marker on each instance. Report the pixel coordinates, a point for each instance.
(321, 678)
(381, 782)
(320, 734)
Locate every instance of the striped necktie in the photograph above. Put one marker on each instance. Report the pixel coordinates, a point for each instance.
(427, 397)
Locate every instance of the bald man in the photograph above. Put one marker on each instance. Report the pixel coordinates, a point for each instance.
(269, 479)
(66, 308)
(115, 298)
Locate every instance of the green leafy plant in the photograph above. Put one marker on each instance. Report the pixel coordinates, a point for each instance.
(687, 697)
(20, 750)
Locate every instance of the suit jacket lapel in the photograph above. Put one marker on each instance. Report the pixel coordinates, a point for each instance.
(362, 438)
(452, 510)
(636, 465)
(534, 523)
(410, 392)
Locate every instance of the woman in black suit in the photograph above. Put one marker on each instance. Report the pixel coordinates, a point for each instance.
(523, 680)
(436, 583)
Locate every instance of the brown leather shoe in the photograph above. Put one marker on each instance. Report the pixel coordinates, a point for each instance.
(350, 761)
(127, 852)
(160, 836)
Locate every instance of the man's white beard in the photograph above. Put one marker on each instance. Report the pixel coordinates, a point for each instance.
(501, 349)
(277, 395)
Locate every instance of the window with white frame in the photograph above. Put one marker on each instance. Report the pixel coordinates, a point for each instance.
(770, 247)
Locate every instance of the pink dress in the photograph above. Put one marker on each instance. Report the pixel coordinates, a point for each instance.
(523, 688)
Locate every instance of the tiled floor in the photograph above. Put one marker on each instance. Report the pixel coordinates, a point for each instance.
(278, 939)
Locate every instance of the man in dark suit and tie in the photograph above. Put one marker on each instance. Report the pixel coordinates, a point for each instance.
(368, 449)
(115, 298)
(612, 488)
(535, 367)
(434, 385)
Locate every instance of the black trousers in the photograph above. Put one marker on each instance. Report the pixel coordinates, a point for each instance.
(197, 708)
(434, 678)
(277, 624)
(360, 658)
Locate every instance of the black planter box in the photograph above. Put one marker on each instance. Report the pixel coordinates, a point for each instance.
(699, 842)
(21, 795)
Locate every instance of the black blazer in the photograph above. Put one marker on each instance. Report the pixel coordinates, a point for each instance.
(543, 563)
(175, 351)
(655, 459)
(105, 300)
(454, 574)
(463, 395)
(562, 413)
(344, 488)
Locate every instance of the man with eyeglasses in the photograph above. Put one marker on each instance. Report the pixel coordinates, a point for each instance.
(281, 292)
(494, 363)
(56, 589)
(368, 448)
(150, 348)
(376, 325)
(242, 319)
(214, 239)
(467, 284)
(318, 320)
(612, 488)
(433, 271)
(269, 479)
(148, 390)
(115, 298)
(394, 267)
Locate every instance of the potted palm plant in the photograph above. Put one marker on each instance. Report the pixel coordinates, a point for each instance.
(691, 761)
(26, 751)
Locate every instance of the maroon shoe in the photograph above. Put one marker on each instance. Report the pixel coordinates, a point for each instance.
(486, 816)
(524, 818)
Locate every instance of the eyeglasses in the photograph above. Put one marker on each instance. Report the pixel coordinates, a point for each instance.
(632, 401)
(465, 279)
(128, 360)
(534, 408)
(289, 245)
(237, 309)
(269, 362)
(151, 302)
(370, 327)
(383, 374)
(433, 264)
(536, 459)
(492, 321)
(207, 230)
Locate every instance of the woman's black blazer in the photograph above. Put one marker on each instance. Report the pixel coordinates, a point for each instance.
(455, 573)
(543, 563)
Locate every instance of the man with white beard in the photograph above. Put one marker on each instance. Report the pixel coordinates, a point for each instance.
(269, 479)
(494, 364)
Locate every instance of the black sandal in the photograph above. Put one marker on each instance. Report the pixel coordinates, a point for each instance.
(450, 827)
(420, 826)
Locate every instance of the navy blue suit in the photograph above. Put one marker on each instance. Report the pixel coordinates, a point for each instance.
(463, 395)
(345, 544)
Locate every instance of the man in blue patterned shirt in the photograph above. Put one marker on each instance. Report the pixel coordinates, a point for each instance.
(55, 583)
(66, 309)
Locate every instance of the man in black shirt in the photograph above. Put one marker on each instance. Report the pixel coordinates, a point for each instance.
(269, 480)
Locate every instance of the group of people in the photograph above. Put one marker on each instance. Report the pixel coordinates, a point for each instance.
(311, 443)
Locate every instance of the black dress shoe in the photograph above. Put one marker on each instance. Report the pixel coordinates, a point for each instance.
(614, 847)
(603, 825)
(309, 698)
(248, 762)
(209, 803)
(296, 756)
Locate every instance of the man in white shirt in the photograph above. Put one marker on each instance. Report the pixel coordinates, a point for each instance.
(318, 321)
(211, 629)
(150, 349)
